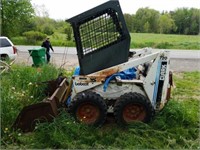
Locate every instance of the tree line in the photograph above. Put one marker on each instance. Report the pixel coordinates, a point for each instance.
(180, 21)
(18, 18)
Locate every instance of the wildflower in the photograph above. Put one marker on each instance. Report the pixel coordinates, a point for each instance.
(30, 83)
(5, 130)
(19, 134)
(13, 88)
(31, 96)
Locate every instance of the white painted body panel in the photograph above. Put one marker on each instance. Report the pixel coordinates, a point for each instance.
(147, 86)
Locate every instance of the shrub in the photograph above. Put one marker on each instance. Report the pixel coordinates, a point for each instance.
(68, 32)
(48, 30)
(19, 40)
(33, 36)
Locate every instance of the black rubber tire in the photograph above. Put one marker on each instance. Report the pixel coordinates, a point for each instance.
(132, 107)
(4, 57)
(90, 105)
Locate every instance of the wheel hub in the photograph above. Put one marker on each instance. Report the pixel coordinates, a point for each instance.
(134, 112)
(88, 113)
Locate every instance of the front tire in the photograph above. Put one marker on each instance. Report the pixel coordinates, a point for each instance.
(133, 107)
(89, 108)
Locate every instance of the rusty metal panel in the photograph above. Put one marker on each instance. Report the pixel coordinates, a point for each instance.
(107, 72)
(60, 93)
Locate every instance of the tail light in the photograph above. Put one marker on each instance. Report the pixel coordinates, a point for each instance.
(14, 50)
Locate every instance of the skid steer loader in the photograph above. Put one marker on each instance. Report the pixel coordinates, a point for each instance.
(132, 85)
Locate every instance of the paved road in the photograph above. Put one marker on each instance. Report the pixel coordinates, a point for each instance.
(189, 54)
(181, 60)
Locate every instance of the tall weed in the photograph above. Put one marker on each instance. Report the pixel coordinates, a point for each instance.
(22, 86)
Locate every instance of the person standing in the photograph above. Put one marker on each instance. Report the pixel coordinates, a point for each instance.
(47, 44)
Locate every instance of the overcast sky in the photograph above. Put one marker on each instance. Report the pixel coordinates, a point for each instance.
(63, 9)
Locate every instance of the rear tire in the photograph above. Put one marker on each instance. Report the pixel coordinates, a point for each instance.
(4, 57)
(133, 107)
(89, 108)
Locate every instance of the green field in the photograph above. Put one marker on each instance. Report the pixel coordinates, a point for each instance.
(165, 41)
(175, 127)
(138, 40)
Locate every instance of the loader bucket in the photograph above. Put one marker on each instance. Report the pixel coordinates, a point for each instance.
(43, 111)
(30, 115)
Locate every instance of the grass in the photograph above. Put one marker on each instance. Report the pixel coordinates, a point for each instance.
(165, 41)
(175, 127)
(22, 86)
(138, 40)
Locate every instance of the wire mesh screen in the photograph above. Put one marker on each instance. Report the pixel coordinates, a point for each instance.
(100, 31)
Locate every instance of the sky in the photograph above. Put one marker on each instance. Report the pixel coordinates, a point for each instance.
(65, 9)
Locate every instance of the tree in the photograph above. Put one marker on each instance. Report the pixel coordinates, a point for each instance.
(146, 17)
(186, 20)
(146, 27)
(41, 11)
(15, 15)
(129, 22)
(45, 25)
(181, 18)
(195, 21)
(166, 24)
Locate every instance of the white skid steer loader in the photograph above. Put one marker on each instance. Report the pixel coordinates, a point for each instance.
(109, 81)
(132, 85)
(112, 90)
